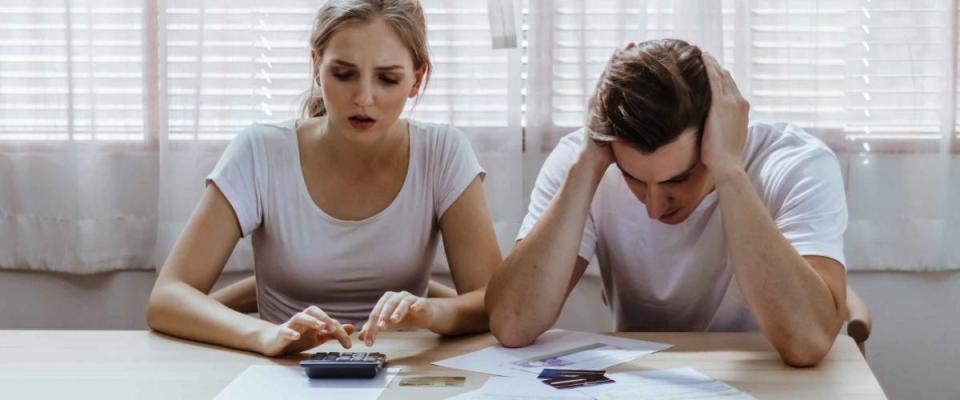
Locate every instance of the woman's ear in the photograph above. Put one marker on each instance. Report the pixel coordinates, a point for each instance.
(315, 69)
(419, 74)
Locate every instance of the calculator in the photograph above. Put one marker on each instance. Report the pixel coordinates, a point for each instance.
(344, 365)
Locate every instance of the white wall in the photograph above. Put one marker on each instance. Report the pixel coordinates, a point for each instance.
(914, 349)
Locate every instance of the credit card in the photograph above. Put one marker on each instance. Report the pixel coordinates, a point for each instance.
(433, 381)
(580, 382)
(552, 372)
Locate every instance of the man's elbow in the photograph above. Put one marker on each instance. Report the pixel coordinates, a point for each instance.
(804, 352)
(508, 329)
(511, 337)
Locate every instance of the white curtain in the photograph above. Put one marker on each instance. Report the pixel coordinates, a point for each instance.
(875, 79)
(113, 111)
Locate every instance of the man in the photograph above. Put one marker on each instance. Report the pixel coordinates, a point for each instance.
(737, 226)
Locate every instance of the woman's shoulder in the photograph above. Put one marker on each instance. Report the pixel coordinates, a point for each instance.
(437, 136)
(268, 131)
(266, 136)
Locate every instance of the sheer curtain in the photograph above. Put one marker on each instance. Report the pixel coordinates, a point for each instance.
(876, 80)
(113, 111)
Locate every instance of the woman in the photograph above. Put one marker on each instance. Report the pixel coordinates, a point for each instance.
(345, 206)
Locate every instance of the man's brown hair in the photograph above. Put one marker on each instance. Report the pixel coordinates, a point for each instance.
(649, 94)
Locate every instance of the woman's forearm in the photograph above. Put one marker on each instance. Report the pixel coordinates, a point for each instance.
(240, 295)
(180, 310)
(461, 314)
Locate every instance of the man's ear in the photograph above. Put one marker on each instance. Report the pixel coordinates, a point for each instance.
(419, 74)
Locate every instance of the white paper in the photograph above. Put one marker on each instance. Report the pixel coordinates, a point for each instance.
(522, 388)
(673, 384)
(290, 383)
(558, 348)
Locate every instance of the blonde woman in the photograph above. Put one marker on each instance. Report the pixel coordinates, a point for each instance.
(346, 206)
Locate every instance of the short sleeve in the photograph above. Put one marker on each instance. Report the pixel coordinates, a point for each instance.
(237, 178)
(813, 212)
(454, 168)
(549, 180)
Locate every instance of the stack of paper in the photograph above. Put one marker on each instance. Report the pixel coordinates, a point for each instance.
(554, 349)
(289, 383)
(672, 384)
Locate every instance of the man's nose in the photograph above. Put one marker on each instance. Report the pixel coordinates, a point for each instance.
(657, 202)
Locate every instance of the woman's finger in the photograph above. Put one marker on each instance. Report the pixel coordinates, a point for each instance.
(342, 336)
(287, 334)
(420, 305)
(402, 308)
(371, 325)
(332, 326)
(302, 322)
(388, 308)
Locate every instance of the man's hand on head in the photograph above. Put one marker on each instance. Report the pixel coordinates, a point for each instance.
(725, 130)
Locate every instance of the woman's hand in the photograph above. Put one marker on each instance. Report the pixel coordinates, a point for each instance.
(305, 330)
(397, 310)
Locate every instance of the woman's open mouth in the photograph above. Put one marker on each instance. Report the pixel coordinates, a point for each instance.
(362, 122)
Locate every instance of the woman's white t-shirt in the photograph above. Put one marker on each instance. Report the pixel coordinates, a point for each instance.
(304, 257)
(660, 277)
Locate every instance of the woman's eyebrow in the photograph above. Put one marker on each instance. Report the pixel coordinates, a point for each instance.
(352, 65)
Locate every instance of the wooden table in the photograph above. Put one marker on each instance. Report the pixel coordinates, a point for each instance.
(144, 365)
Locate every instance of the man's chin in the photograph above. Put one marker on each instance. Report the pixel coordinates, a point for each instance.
(675, 218)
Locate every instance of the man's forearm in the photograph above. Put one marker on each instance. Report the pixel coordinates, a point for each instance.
(527, 293)
(791, 302)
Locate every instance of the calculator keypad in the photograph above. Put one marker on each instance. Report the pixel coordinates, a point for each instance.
(348, 356)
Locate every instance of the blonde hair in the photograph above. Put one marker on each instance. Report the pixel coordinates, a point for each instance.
(404, 16)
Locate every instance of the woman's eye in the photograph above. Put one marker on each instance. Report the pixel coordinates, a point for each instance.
(343, 75)
(388, 80)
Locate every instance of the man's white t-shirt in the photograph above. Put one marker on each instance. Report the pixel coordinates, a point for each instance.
(660, 277)
(304, 256)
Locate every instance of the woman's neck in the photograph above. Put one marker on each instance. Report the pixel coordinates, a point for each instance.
(360, 156)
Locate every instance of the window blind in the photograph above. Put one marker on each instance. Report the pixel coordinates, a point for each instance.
(71, 70)
(221, 65)
(853, 71)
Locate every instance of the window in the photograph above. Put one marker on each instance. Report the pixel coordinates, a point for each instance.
(855, 72)
(858, 73)
(203, 72)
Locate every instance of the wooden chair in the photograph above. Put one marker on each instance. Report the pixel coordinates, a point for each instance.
(242, 295)
(858, 319)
